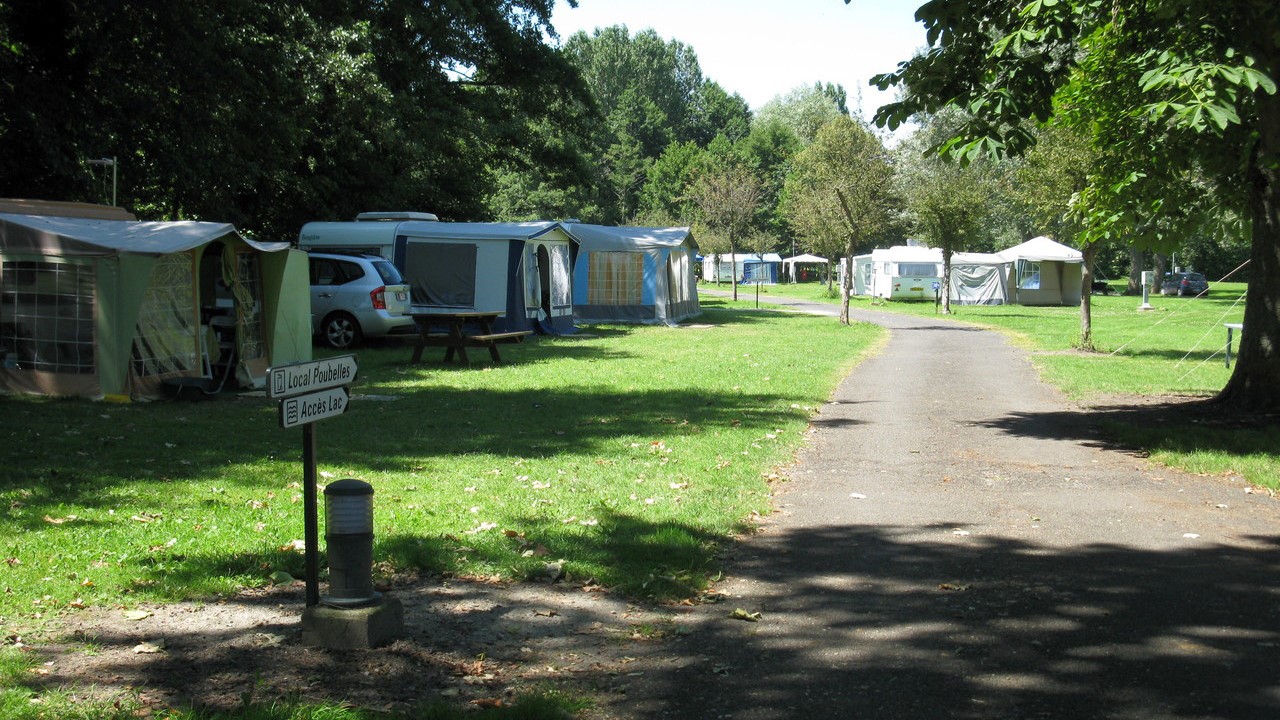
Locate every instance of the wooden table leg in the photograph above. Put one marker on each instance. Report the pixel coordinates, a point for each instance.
(459, 348)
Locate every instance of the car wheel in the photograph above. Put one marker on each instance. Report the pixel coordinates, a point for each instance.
(341, 331)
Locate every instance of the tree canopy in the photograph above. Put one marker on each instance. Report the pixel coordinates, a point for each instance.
(1167, 91)
(269, 114)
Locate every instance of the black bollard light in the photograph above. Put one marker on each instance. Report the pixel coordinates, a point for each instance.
(348, 511)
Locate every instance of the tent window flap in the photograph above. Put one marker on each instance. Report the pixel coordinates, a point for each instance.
(46, 316)
(442, 274)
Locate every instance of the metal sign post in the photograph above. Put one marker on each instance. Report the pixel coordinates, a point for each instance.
(311, 391)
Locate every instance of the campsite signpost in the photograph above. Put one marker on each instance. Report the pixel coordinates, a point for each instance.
(311, 391)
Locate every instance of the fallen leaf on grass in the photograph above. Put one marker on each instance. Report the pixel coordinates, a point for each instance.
(59, 521)
(136, 614)
(150, 647)
(740, 614)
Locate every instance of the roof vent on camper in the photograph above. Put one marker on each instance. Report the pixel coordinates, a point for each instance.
(396, 216)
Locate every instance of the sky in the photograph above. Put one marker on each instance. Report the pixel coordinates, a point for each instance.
(764, 48)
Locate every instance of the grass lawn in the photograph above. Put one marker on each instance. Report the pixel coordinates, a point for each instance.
(1174, 349)
(630, 453)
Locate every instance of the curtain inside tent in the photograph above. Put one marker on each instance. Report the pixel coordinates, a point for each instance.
(243, 275)
(561, 286)
(532, 281)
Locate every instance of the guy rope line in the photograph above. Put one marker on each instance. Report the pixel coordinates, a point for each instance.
(1173, 314)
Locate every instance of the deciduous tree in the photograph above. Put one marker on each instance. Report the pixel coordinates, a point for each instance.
(1170, 87)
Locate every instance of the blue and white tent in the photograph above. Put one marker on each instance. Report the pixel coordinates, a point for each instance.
(764, 268)
(633, 274)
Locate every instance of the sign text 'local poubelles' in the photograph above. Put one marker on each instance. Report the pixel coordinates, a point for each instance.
(311, 391)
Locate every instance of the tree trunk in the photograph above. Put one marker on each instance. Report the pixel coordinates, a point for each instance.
(1255, 381)
(946, 279)
(733, 262)
(846, 282)
(1090, 252)
(1162, 264)
(1135, 271)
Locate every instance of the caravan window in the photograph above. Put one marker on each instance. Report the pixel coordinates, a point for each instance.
(615, 278)
(917, 270)
(1029, 276)
(442, 274)
(46, 316)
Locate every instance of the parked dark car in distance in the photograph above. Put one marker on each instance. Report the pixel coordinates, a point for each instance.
(1184, 283)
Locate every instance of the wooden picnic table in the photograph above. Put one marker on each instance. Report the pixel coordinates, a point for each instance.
(457, 330)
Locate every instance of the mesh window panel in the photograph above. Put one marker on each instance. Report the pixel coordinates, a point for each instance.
(165, 341)
(248, 292)
(615, 278)
(46, 315)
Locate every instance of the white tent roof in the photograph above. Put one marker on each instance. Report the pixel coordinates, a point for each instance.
(968, 258)
(748, 257)
(608, 238)
(906, 254)
(478, 231)
(806, 258)
(78, 236)
(1041, 249)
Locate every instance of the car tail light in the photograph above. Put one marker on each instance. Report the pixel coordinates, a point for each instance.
(379, 298)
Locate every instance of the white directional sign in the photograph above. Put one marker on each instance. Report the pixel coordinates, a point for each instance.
(305, 377)
(304, 409)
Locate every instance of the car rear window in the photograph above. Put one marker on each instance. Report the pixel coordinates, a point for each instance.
(1195, 277)
(388, 272)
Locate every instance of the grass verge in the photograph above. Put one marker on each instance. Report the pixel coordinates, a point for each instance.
(628, 453)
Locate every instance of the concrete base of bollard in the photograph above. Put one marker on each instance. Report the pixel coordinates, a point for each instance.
(353, 628)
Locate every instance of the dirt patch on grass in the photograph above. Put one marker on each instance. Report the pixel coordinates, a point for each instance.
(464, 641)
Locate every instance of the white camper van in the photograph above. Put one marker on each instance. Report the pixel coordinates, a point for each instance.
(521, 270)
(903, 272)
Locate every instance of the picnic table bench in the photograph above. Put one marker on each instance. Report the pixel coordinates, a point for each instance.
(1231, 327)
(457, 330)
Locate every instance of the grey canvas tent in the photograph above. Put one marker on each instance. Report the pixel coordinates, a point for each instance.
(979, 279)
(115, 308)
(1036, 272)
(634, 274)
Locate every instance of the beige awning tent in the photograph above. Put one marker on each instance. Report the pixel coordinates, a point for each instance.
(115, 307)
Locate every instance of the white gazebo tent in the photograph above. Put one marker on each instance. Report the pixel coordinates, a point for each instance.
(789, 264)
